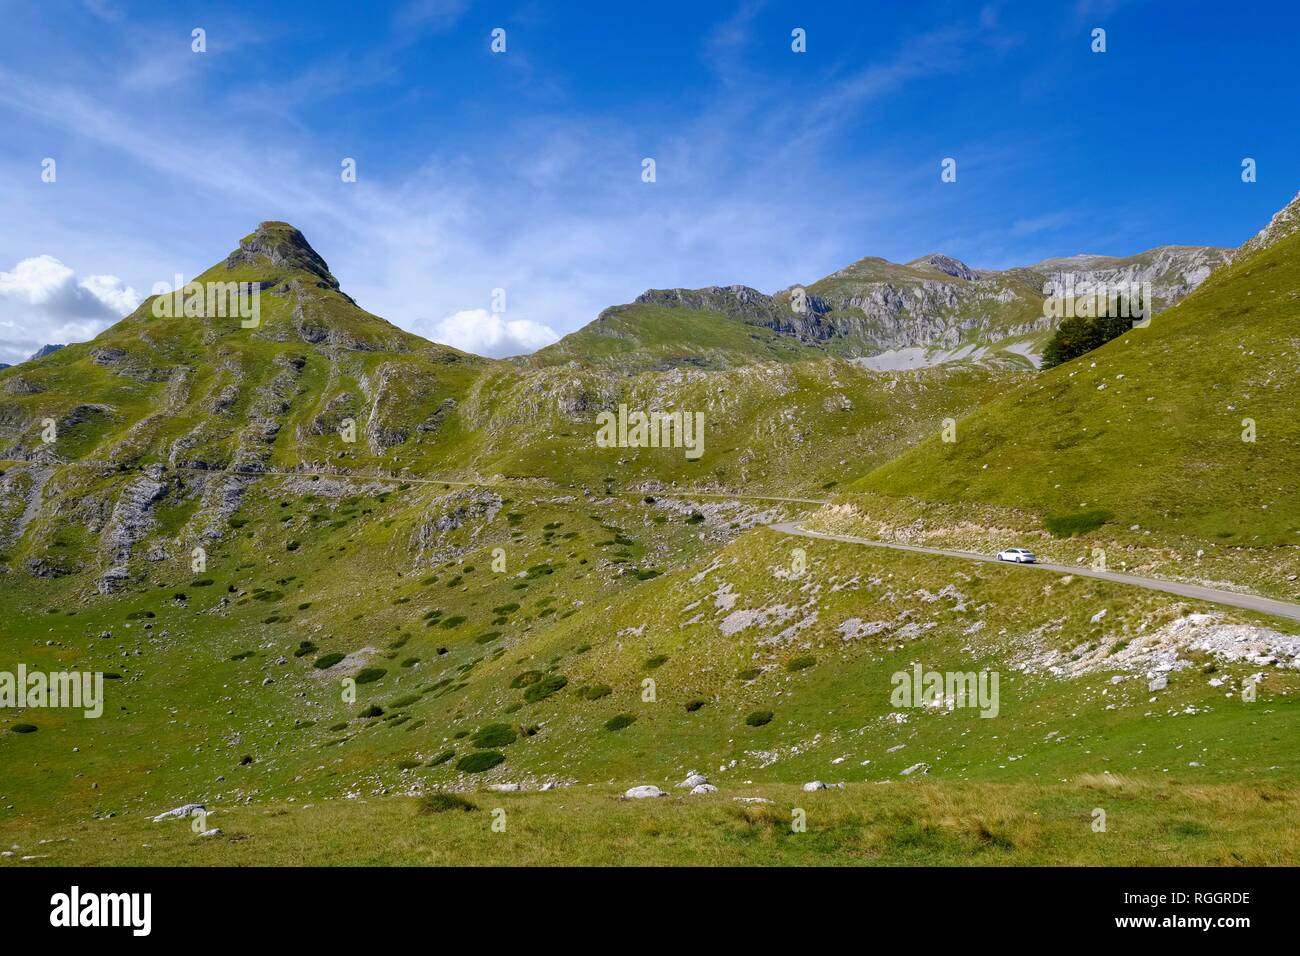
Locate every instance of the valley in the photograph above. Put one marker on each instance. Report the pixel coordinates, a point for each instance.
(352, 591)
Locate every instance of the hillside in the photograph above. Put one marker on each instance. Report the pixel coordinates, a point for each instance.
(475, 594)
(1180, 435)
(934, 310)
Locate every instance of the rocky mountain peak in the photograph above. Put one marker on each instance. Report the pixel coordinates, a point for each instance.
(1284, 222)
(283, 247)
(947, 265)
(43, 351)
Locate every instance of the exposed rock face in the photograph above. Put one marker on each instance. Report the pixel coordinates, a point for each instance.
(43, 351)
(1284, 222)
(456, 509)
(1172, 271)
(284, 247)
(131, 520)
(938, 302)
(949, 266)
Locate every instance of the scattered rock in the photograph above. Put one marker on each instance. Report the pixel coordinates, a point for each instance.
(640, 793)
(188, 810)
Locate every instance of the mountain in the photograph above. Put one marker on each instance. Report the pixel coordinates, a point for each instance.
(161, 424)
(933, 310)
(43, 351)
(325, 642)
(1174, 446)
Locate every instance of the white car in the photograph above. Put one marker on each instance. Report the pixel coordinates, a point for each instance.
(1018, 555)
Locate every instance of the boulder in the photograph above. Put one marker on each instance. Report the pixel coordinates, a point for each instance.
(640, 793)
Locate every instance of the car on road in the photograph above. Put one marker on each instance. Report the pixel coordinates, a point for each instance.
(1018, 555)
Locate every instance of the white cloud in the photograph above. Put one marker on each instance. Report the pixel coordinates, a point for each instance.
(43, 301)
(488, 333)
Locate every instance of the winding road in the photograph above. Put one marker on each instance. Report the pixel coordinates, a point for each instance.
(1250, 602)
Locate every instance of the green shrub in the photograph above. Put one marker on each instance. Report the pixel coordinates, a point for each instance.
(305, 648)
(494, 735)
(445, 802)
(759, 717)
(370, 675)
(442, 758)
(23, 728)
(374, 710)
(749, 673)
(326, 661)
(407, 764)
(400, 702)
(657, 661)
(526, 679)
(1076, 523)
(800, 663)
(595, 691)
(479, 761)
(693, 705)
(545, 687)
(619, 721)
(456, 620)
(487, 637)
(242, 655)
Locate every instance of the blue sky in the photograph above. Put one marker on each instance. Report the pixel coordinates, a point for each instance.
(522, 170)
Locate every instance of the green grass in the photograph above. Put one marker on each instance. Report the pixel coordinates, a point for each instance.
(925, 823)
(728, 632)
(1152, 429)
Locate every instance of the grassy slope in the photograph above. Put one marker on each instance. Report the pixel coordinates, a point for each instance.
(640, 336)
(769, 428)
(920, 823)
(1147, 429)
(186, 711)
(597, 590)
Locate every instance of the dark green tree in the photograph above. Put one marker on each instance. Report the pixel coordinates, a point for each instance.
(1078, 336)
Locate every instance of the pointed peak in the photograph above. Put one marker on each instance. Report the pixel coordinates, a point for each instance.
(283, 247)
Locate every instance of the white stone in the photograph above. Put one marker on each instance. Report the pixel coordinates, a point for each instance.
(640, 793)
(189, 810)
